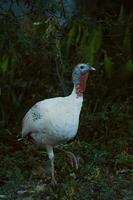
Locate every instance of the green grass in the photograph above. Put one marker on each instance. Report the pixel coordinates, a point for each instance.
(104, 173)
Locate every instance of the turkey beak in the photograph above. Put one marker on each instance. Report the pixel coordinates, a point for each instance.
(91, 68)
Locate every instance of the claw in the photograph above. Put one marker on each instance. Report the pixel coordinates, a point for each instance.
(54, 182)
(73, 159)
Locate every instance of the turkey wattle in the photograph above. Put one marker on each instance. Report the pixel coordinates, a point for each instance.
(55, 121)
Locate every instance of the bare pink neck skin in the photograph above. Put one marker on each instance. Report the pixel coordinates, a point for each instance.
(80, 88)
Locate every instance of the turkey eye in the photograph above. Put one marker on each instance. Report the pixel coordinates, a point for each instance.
(81, 67)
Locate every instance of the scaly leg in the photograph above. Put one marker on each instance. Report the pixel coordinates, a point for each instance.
(51, 157)
(74, 160)
(53, 181)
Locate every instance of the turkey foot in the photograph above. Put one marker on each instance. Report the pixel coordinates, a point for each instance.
(74, 160)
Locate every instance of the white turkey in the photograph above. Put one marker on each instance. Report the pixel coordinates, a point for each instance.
(55, 121)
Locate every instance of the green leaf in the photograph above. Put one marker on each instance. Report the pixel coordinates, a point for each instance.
(129, 66)
(71, 38)
(130, 127)
(121, 14)
(79, 33)
(108, 65)
(15, 100)
(94, 45)
(126, 41)
(83, 45)
(4, 65)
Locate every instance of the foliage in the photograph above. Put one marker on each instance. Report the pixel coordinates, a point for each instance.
(108, 66)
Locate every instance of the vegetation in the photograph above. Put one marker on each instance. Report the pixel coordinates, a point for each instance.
(36, 59)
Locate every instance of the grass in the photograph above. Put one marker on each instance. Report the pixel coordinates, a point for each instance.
(104, 172)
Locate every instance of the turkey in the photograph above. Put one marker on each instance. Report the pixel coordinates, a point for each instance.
(55, 121)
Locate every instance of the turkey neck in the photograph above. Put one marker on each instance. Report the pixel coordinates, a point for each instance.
(81, 86)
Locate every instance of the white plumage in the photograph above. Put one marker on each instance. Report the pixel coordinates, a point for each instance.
(55, 121)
